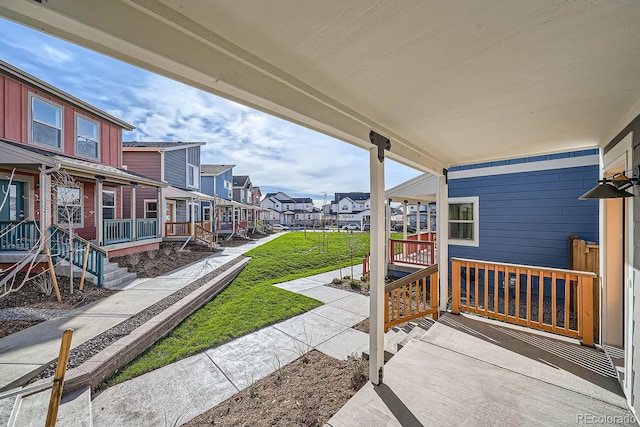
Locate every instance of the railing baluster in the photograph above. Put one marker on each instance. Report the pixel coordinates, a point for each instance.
(554, 301)
(485, 284)
(529, 297)
(567, 298)
(517, 291)
(467, 270)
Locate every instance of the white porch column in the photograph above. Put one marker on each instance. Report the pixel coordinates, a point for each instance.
(46, 217)
(162, 211)
(133, 211)
(193, 217)
(429, 228)
(233, 219)
(377, 262)
(404, 220)
(442, 218)
(418, 218)
(99, 219)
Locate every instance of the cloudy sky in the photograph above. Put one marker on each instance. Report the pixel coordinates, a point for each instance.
(278, 155)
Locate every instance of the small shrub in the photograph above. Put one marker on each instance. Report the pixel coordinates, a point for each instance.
(44, 283)
(358, 367)
(347, 277)
(336, 281)
(364, 278)
(354, 284)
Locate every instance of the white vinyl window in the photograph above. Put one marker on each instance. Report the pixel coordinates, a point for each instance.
(206, 213)
(69, 205)
(150, 209)
(46, 123)
(87, 137)
(193, 176)
(108, 204)
(464, 221)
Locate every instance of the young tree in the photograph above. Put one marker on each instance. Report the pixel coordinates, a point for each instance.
(355, 244)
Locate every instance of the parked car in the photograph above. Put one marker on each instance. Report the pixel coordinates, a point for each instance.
(351, 227)
(279, 227)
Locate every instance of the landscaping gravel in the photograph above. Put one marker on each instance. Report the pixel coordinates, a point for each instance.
(29, 314)
(92, 347)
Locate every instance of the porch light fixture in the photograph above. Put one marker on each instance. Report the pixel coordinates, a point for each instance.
(614, 187)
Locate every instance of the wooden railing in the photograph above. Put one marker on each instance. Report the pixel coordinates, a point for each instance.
(411, 297)
(18, 235)
(116, 231)
(60, 248)
(177, 229)
(549, 299)
(425, 236)
(203, 235)
(412, 252)
(146, 228)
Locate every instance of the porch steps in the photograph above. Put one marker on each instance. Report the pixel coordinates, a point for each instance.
(114, 275)
(31, 410)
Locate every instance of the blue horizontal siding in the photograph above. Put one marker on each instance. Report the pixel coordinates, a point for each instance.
(527, 217)
(526, 160)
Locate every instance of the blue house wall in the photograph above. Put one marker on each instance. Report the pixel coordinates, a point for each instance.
(207, 187)
(529, 207)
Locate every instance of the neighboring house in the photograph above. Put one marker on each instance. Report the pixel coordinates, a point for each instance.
(522, 211)
(242, 189)
(351, 207)
(178, 206)
(44, 130)
(288, 210)
(216, 181)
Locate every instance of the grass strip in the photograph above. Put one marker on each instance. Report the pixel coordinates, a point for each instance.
(250, 302)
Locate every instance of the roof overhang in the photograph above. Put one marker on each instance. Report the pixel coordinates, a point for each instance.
(421, 189)
(13, 155)
(111, 174)
(175, 193)
(447, 82)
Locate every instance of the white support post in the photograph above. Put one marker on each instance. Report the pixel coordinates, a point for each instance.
(46, 218)
(418, 218)
(99, 219)
(162, 211)
(192, 208)
(442, 218)
(429, 228)
(133, 211)
(404, 220)
(377, 266)
(387, 236)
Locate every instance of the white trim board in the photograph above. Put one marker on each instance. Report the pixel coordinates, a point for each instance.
(568, 162)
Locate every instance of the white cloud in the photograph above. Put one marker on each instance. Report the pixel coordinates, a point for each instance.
(278, 155)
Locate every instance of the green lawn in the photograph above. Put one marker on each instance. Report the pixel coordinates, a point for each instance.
(250, 302)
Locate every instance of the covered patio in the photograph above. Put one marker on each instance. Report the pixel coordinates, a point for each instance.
(428, 84)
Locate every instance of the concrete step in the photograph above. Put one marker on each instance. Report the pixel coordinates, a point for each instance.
(6, 408)
(74, 410)
(114, 275)
(392, 338)
(122, 279)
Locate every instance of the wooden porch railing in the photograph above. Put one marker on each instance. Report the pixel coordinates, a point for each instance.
(412, 252)
(60, 248)
(177, 229)
(549, 299)
(146, 228)
(18, 235)
(201, 231)
(411, 297)
(426, 236)
(116, 231)
(203, 235)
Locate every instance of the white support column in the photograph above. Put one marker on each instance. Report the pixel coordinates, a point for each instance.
(418, 218)
(99, 219)
(162, 211)
(233, 219)
(404, 220)
(442, 218)
(377, 263)
(133, 211)
(192, 207)
(429, 228)
(46, 217)
(387, 236)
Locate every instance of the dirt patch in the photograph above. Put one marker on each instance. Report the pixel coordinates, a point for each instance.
(362, 326)
(307, 392)
(34, 302)
(351, 285)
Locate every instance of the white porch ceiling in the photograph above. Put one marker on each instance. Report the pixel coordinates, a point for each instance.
(449, 82)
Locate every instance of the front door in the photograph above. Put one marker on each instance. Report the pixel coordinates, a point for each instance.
(170, 212)
(11, 201)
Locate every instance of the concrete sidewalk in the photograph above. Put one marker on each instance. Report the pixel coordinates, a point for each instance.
(31, 349)
(184, 389)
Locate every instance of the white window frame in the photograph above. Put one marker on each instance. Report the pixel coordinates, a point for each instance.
(76, 224)
(193, 171)
(115, 203)
(146, 210)
(206, 212)
(60, 107)
(475, 200)
(77, 136)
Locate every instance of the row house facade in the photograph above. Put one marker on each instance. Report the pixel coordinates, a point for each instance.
(297, 211)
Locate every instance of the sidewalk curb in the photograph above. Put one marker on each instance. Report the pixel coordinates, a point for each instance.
(93, 372)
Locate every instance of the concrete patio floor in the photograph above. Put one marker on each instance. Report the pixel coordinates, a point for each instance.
(459, 376)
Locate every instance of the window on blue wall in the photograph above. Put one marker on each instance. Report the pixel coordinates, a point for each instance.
(464, 221)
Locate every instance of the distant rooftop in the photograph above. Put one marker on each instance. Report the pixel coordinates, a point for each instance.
(214, 169)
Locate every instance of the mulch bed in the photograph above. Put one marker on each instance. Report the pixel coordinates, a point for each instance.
(307, 392)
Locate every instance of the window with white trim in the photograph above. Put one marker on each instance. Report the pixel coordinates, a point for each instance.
(206, 213)
(464, 221)
(69, 205)
(46, 122)
(150, 209)
(108, 204)
(87, 137)
(193, 176)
